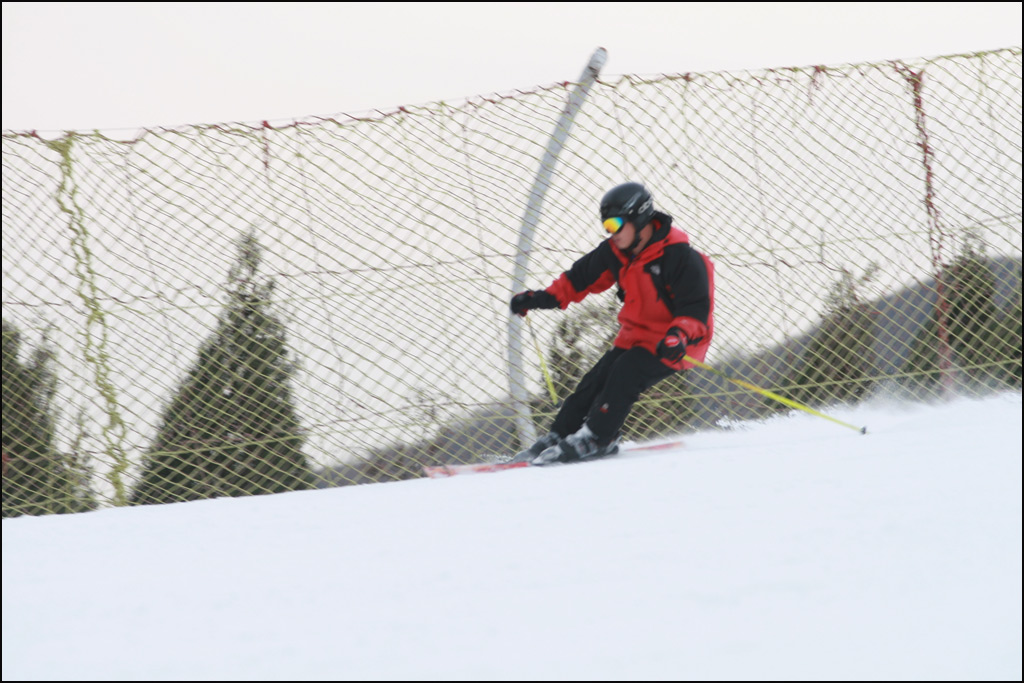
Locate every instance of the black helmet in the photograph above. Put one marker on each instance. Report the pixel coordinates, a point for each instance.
(629, 201)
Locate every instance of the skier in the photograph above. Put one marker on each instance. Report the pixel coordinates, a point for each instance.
(667, 290)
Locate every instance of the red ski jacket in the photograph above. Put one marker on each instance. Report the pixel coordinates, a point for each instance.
(668, 284)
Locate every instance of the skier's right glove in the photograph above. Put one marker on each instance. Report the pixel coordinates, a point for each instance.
(531, 299)
(673, 347)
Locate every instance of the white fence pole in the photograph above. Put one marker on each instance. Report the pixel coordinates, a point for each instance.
(517, 373)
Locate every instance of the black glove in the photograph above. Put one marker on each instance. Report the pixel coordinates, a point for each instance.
(530, 299)
(673, 347)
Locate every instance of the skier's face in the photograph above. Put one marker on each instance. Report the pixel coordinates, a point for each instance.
(624, 237)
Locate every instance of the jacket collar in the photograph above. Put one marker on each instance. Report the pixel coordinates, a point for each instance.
(663, 236)
(663, 224)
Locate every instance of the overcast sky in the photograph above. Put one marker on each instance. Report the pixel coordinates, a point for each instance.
(131, 65)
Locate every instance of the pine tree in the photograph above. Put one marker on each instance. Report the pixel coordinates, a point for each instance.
(1004, 338)
(837, 365)
(985, 342)
(231, 429)
(37, 478)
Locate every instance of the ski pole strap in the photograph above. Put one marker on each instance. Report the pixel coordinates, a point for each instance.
(772, 395)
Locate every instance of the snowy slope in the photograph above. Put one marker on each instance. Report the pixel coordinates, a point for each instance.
(793, 549)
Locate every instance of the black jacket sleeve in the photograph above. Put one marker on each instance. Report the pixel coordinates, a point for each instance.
(685, 277)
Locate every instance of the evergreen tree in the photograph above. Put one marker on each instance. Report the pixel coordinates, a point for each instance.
(231, 429)
(837, 365)
(985, 342)
(37, 479)
(1005, 336)
(995, 357)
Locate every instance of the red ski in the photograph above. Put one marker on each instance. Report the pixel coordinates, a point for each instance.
(441, 471)
(438, 471)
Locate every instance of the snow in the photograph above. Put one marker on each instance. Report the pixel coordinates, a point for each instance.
(790, 549)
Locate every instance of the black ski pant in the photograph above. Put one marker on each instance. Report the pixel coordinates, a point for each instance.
(608, 391)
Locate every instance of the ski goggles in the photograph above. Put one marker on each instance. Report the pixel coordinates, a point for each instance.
(613, 225)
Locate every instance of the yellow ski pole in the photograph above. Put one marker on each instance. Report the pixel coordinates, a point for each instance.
(770, 394)
(543, 364)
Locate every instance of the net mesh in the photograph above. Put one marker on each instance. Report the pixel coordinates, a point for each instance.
(249, 308)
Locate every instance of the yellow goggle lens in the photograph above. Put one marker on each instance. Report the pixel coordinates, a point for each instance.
(613, 225)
